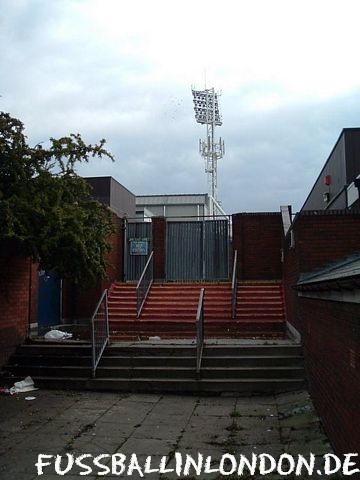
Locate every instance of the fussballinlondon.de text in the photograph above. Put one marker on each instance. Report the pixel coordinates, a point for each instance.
(183, 465)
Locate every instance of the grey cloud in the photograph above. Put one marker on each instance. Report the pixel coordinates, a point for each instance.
(59, 84)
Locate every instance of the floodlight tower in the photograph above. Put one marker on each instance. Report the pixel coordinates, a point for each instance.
(207, 113)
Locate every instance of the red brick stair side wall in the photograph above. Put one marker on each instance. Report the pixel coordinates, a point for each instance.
(258, 239)
(330, 330)
(331, 341)
(159, 246)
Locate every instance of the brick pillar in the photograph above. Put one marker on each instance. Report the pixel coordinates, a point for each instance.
(159, 245)
(237, 243)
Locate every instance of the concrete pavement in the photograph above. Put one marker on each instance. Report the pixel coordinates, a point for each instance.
(60, 422)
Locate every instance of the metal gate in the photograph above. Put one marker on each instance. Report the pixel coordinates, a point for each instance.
(197, 250)
(138, 246)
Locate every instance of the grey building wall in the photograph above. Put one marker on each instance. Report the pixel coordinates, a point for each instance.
(109, 191)
(343, 166)
(184, 205)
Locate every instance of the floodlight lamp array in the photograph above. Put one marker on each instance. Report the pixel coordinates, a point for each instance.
(206, 107)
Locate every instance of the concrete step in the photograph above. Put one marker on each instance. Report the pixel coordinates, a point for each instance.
(74, 370)
(50, 360)
(144, 361)
(171, 372)
(207, 361)
(252, 361)
(135, 336)
(179, 385)
(164, 367)
(264, 349)
(152, 350)
(264, 372)
(158, 372)
(56, 348)
(176, 385)
(215, 350)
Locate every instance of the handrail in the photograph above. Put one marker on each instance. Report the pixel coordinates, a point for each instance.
(144, 284)
(99, 330)
(234, 287)
(200, 330)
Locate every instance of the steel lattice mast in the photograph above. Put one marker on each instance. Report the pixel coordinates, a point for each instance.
(207, 113)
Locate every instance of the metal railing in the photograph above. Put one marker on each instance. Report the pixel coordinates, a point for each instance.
(144, 284)
(234, 287)
(99, 330)
(200, 330)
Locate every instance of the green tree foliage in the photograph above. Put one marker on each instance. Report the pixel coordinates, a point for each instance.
(46, 209)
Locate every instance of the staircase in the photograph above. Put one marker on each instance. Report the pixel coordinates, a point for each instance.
(260, 309)
(231, 365)
(122, 311)
(170, 311)
(234, 366)
(51, 364)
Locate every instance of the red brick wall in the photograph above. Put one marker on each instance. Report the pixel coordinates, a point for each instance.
(159, 246)
(15, 302)
(290, 278)
(115, 258)
(325, 237)
(330, 330)
(258, 239)
(319, 237)
(331, 337)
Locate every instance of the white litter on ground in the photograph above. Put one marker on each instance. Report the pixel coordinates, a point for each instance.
(26, 385)
(57, 335)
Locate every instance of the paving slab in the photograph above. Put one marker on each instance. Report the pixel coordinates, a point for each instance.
(147, 446)
(94, 423)
(162, 431)
(214, 410)
(253, 409)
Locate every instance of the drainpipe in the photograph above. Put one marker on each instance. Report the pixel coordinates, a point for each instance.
(29, 299)
(61, 301)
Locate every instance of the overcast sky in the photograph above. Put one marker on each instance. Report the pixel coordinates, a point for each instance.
(289, 72)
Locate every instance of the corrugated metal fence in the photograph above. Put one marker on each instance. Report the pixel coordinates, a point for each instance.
(140, 233)
(197, 250)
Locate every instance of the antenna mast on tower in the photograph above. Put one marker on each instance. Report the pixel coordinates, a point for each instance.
(207, 113)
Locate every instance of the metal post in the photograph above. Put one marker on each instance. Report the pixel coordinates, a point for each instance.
(203, 251)
(107, 315)
(125, 250)
(93, 349)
